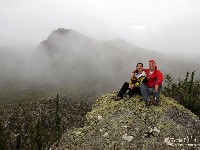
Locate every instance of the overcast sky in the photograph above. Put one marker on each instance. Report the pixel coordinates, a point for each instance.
(171, 26)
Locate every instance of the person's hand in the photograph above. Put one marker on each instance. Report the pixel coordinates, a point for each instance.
(131, 86)
(132, 75)
(156, 88)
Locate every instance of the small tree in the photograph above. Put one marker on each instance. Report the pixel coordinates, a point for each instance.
(167, 90)
(4, 138)
(186, 92)
(57, 121)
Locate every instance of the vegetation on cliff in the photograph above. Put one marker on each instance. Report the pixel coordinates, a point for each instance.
(186, 91)
(128, 124)
(38, 124)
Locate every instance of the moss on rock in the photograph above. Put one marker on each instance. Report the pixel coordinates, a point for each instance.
(128, 124)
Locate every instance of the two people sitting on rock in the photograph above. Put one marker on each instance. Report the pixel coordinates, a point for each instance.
(133, 87)
(151, 87)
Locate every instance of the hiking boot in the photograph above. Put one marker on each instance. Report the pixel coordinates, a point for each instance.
(155, 102)
(128, 96)
(141, 99)
(148, 103)
(118, 98)
(151, 102)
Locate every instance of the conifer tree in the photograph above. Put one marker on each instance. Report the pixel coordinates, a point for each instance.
(186, 92)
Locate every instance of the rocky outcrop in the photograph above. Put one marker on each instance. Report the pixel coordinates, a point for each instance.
(127, 125)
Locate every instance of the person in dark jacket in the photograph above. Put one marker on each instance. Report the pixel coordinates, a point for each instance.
(153, 85)
(133, 87)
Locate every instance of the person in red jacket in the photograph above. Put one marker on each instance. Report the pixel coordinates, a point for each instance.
(153, 85)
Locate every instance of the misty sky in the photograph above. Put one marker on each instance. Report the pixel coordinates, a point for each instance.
(171, 26)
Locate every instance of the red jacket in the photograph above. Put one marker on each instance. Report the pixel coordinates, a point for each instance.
(155, 78)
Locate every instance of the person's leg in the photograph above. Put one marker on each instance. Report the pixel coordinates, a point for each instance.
(123, 89)
(137, 91)
(131, 92)
(157, 95)
(134, 91)
(145, 92)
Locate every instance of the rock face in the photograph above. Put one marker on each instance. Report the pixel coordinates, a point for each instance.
(127, 125)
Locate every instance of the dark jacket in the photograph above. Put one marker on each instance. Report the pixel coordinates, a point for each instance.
(137, 82)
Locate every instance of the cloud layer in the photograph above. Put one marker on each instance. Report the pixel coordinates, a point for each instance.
(170, 26)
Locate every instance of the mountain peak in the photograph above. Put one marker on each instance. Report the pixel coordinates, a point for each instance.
(128, 124)
(62, 31)
(63, 38)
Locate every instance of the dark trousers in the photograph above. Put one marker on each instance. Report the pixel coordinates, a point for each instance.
(131, 92)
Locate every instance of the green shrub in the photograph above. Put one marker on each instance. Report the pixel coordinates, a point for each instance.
(186, 91)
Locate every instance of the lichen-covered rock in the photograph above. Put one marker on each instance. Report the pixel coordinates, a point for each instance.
(128, 125)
